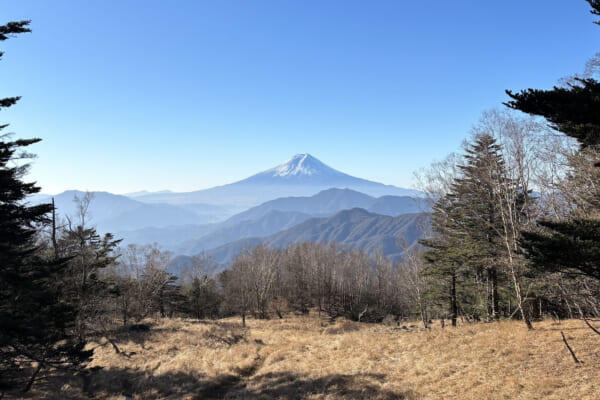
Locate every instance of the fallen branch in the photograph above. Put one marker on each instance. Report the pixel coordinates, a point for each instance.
(586, 321)
(114, 345)
(591, 327)
(570, 349)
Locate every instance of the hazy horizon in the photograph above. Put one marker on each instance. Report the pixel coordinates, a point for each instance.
(249, 174)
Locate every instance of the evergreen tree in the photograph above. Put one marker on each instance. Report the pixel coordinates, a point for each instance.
(466, 221)
(470, 222)
(574, 245)
(83, 286)
(479, 213)
(35, 325)
(203, 298)
(446, 255)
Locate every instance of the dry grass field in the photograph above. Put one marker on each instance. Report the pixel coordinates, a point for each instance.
(308, 358)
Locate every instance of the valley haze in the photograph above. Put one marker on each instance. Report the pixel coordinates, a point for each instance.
(278, 206)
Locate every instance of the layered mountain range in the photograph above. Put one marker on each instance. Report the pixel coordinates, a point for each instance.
(300, 200)
(350, 228)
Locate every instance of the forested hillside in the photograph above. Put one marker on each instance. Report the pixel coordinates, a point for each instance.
(355, 228)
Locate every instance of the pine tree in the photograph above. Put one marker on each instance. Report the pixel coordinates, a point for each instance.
(35, 325)
(446, 255)
(574, 245)
(467, 222)
(473, 238)
(83, 288)
(202, 298)
(480, 214)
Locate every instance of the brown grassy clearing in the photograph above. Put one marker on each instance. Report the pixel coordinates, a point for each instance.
(307, 358)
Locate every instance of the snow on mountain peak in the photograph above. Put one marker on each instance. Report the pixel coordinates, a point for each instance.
(300, 164)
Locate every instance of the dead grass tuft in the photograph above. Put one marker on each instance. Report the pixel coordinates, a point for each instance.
(342, 326)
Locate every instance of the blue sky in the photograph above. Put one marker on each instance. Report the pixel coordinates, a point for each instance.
(184, 95)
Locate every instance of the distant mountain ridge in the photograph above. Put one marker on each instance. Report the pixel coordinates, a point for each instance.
(272, 222)
(300, 199)
(353, 228)
(301, 175)
(330, 201)
(116, 213)
(326, 202)
(191, 228)
(280, 214)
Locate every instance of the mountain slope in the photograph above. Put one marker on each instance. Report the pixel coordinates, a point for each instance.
(280, 214)
(323, 203)
(302, 175)
(397, 205)
(354, 228)
(272, 222)
(357, 228)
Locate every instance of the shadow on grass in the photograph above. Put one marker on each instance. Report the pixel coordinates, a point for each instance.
(289, 385)
(227, 332)
(114, 383)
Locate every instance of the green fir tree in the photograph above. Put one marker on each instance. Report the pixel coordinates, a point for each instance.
(35, 324)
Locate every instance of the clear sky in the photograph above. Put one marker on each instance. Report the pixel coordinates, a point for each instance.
(184, 95)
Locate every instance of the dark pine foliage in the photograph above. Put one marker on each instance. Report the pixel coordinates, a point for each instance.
(35, 324)
(573, 110)
(468, 228)
(595, 8)
(574, 245)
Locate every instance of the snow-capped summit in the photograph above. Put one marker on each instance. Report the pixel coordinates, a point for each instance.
(301, 164)
(300, 169)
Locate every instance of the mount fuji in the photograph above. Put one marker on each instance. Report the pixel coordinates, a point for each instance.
(301, 175)
(302, 169)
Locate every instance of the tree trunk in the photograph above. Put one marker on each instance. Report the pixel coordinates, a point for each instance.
(520, 301)
(490, 297)
(495, 300)
(509, 242)
(453, 305)
(492, 293)
(54, 243)
(423, 315)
